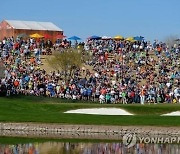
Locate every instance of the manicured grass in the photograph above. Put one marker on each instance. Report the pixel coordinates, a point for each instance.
(23, 140)
(50, 110)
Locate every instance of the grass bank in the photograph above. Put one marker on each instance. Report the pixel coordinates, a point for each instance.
(50, 110)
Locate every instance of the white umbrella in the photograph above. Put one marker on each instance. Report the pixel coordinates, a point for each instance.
(106, 37)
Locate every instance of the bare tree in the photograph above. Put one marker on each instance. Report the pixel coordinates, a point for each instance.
(2, 69)
(171, 40)
(67, 61)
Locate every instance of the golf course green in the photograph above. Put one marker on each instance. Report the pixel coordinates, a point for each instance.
(51, 110)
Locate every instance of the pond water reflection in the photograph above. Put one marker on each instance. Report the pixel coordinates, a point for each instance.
(88, 148)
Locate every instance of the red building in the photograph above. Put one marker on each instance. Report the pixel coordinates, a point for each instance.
(9, 28)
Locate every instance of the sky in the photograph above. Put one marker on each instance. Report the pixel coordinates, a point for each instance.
(153, 19)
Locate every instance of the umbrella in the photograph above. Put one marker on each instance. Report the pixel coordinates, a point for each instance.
(75, 38)
(106, 38)
(118, 37)
(36, 35)
(60, 36)
(94, 37)
(177, 40)
(131, 39)
(139, 38)
(23, 35)
(47, 36)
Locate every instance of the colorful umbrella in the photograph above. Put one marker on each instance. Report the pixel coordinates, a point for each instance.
(47, 36)
(106, 38)
(94, 37)
(75, 38)
(60, 36)
(36, 35)
(118, 37)
(139, 38)
(177, 40)
(130, 39)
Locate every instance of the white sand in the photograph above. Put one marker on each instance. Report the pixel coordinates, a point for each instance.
(100, 111)
(177, 113)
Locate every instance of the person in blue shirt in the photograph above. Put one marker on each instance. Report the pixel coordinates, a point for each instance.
(89, 93)
(51, 89)
(85, 93)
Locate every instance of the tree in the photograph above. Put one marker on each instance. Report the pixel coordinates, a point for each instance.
(171, 40)
(68, 61)
(2, 69)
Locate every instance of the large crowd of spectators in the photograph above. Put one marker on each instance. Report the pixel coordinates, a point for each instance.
(118, 71)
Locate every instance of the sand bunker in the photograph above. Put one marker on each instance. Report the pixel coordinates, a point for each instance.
(177, 113)
(100, 111)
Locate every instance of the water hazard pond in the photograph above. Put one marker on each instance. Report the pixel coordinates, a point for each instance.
(51, 147)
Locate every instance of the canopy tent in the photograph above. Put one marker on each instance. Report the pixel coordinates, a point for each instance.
(94, 37)
(75, 38)
(60, 36)
(118, 37)
(36, 35)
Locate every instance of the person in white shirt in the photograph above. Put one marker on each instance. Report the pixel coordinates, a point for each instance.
(176, 93)
(101, 99)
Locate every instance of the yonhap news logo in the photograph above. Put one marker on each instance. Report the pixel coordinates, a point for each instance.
(130, 139)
